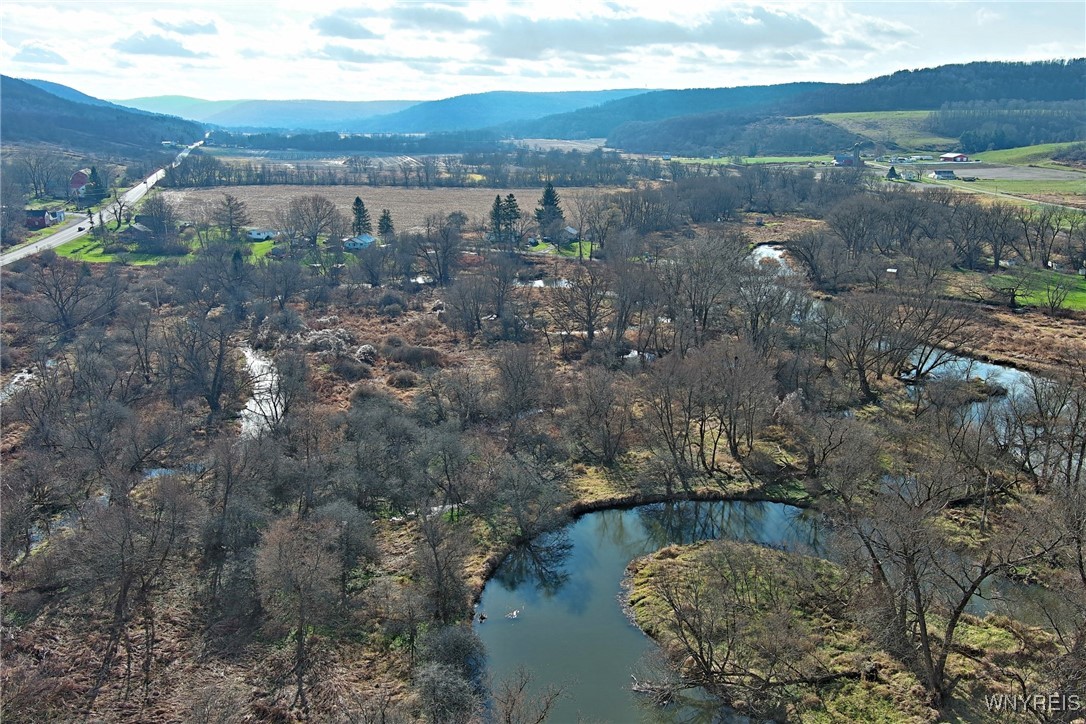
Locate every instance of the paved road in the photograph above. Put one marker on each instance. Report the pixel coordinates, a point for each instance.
(80, 227)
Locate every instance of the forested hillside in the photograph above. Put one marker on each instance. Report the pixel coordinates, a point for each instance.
(929, 88)
(30, 114)
(602, 120)
(730, 133)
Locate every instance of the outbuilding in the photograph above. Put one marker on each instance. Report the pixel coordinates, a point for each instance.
(358, 242)
(954, 157)
(262, 234)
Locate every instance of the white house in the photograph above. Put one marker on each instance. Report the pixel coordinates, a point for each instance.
(358, 242)
(262, 234)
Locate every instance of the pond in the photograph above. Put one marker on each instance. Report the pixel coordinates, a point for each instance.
(554, 607)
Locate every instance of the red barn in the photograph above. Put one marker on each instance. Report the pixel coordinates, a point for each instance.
(78, 183)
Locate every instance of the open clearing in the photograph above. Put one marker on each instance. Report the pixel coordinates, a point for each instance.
(903, 129)
(409, 206)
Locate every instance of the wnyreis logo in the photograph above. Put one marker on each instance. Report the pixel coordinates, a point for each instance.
(1048, 703)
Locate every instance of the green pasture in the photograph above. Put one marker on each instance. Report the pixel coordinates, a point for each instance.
(755, 159)
(1019, 187)
(1034, 295)
(1040, 155)
(91, 250)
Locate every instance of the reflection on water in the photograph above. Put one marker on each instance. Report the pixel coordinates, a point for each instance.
(539, 563)
(570, 629)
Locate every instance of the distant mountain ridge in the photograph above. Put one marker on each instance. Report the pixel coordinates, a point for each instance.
(458, 113)
(483, 110)
(293, 114)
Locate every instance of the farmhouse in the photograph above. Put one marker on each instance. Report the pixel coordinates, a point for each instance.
(358, 242)
(955, 157)
(40, 218)
(262, 234)
(943, 174)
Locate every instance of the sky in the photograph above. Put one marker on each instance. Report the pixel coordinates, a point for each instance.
(421, 50)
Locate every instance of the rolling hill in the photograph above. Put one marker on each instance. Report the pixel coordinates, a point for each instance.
(1024, 103)
(29, 114)
(601, 120)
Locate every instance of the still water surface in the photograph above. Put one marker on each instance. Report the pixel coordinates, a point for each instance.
(570, 629)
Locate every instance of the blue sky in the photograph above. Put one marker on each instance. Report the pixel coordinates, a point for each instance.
(424, 50)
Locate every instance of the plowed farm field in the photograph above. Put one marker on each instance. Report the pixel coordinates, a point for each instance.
(409, 206)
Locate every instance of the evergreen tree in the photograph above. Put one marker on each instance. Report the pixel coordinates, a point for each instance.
(497, 218)
(384, 225)
(361, 223)
(510, 211)
(95, 191)
(503, 219)
(549, 211)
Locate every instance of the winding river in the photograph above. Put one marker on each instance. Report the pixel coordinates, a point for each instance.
(569, 627)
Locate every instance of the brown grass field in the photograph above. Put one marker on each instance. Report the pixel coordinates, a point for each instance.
(409, 206)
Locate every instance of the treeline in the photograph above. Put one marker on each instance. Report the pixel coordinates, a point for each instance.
(511, 166)
(1055, 80)
(1075, 154)
(989, 125)
(732, 134)
(452, 142)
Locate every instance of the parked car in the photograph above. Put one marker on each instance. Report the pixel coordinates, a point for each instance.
(80, 229)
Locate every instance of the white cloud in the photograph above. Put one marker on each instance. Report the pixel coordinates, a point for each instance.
(35, 53)
(188, 27)
(340, 25)
(141, 44)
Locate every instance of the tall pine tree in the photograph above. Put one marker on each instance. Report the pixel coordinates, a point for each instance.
(504, 215)
(384, 225)
(361, 223)
(549, 212)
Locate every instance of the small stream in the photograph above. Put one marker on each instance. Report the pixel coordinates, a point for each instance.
(264, 407)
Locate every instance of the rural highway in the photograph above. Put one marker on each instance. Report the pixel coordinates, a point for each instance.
(81, 227)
